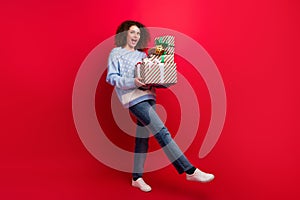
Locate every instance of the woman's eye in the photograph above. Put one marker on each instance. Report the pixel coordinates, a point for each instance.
(133, 32)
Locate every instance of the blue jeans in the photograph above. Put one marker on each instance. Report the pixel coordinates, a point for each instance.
(149, 121)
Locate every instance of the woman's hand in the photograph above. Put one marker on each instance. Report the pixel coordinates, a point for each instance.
(151, 50)
(139, 83)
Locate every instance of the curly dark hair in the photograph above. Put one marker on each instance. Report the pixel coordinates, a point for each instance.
(121, 34)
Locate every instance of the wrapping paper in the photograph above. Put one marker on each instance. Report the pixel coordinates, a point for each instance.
(165, 44)
(159, 70)
(163, 58)
(156, 73)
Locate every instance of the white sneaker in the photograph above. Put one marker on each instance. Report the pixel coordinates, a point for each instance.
(140, 183)
(200, 176)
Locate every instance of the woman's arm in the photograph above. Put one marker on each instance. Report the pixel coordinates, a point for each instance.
(114, 78)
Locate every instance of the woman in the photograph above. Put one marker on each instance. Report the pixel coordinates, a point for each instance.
(131, 37)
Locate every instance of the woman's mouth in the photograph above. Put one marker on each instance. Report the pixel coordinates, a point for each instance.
(134, 41)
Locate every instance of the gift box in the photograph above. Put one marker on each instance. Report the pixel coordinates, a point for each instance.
(159, 70)
(167, 40)
(169, 50)
(156, 73)
(165, 58)
(165, 44)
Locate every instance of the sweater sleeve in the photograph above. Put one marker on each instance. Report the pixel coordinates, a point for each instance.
(113, 74)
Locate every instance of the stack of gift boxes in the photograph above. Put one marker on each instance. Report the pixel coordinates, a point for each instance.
(159, 69)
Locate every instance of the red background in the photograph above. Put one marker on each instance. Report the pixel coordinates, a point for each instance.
(255, 46)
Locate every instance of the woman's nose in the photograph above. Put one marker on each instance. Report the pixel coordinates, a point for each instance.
(136, 35)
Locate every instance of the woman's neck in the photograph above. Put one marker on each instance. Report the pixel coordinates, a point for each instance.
(129, 48)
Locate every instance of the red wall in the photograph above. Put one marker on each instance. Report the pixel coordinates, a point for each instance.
(255, 46)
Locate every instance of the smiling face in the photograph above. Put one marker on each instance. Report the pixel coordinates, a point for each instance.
(133, 36)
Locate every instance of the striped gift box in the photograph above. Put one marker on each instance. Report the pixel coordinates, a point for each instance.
(168, 43)
(158, 74)
(167, 39)
(162, 58)
(169, 50)
(159, 70)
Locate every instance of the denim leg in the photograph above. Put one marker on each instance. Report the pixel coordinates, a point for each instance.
(145, 113)
(140, 150)
(171, 149)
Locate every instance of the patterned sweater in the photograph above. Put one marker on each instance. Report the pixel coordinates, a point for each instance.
(121, 66)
